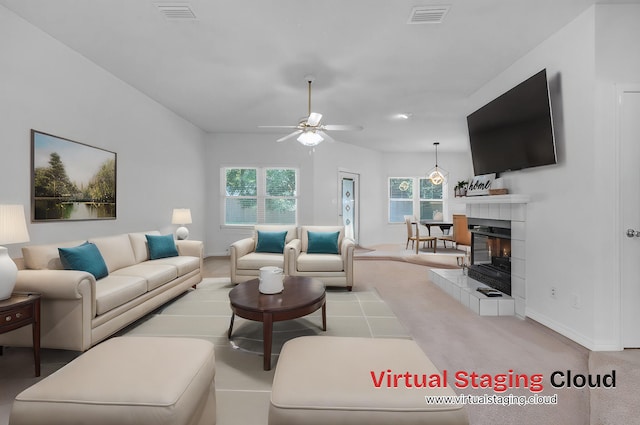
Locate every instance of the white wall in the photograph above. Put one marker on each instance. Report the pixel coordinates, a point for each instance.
(318, 199)
(319, 192)
(46, 86)
(560, 249)
(571, 220)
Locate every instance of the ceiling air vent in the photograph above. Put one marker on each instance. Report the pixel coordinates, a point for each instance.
(428, 14)
(176, 11)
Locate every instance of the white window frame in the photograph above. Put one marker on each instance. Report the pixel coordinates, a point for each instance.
(261, 196)
(415, 182)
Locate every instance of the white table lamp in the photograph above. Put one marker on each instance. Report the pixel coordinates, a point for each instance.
(181, 216)
(13, 229)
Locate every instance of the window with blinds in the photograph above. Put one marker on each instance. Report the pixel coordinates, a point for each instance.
(260, 196)
(415, 196)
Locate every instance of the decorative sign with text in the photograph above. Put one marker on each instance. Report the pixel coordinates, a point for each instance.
(480, 185)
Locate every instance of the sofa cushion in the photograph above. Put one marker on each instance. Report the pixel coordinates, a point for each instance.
(162, 246)
(156, 275)
(116, 251)
(271, 241)
(323, 242)
(319, 263)
(113, 291)
(255, 260)
(140, 246)
(45, 257)
(184, 264)
(85, 257)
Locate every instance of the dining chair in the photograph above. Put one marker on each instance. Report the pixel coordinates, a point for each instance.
(415, 237)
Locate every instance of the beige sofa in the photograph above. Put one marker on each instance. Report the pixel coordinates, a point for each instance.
(333, 269)
(78, 312)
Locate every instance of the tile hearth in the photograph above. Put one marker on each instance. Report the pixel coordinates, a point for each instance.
(464, 289)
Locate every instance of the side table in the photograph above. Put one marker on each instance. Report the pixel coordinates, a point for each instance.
(22, 309)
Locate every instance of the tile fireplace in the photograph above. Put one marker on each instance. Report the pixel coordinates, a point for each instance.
(498, 226)
(491, 252)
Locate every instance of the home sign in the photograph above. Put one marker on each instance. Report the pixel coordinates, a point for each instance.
(480, 185)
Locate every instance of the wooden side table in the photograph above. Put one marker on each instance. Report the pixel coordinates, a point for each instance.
(22, 309)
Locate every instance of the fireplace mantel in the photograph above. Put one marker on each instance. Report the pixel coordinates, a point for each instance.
(494, 199)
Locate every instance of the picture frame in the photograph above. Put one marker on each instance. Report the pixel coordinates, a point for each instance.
(71, 181)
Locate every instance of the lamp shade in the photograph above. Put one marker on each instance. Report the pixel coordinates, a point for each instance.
(181, 216)
(13, 226)
(310, 138)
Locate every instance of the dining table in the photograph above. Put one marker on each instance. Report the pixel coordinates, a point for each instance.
(444, 226)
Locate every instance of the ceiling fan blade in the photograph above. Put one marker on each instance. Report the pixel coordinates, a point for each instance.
(289, 136)
(277, 126)
(327, 137)
(314, 119)
(342, 127)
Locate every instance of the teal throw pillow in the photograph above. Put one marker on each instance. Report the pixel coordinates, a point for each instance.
(85, 257)
(323, 242)
(271, 242)
(161, 246)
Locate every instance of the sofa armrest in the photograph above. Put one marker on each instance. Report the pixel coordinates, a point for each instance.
(190, 248)
(242, 247)
(61, 284)
(291, 253)
(346, 250)
(58, 284)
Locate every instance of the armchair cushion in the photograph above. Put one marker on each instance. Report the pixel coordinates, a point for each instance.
(320, 263)
(323, 243)
(272, 242)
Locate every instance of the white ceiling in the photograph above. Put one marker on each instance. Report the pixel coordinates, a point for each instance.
(241, 64)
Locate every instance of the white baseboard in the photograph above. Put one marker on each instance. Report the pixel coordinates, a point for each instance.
(561, 329)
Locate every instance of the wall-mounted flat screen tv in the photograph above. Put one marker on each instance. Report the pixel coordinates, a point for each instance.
(515, 130)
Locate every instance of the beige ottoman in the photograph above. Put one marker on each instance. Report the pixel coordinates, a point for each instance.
(126, 381)
(327, 380)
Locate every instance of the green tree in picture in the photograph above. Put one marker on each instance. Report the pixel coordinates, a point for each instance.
(53, 181)
(101, 187)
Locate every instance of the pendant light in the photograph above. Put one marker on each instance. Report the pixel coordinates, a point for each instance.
(437, 175)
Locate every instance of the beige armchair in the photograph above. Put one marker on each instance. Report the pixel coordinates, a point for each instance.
(246, 261)
(316, 253)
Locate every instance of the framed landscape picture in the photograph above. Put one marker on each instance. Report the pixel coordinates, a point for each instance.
(71, 180)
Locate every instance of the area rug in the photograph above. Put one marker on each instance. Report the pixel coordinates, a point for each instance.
(205, 313)
(444, 258)
(242, 386)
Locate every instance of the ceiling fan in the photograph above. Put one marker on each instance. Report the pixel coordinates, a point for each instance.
(309, 130)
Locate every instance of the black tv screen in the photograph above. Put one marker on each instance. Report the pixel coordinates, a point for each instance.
(515, 130)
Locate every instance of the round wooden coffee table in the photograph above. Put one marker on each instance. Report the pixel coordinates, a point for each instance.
(301, 296)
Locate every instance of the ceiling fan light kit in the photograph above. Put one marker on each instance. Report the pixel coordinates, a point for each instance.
(310, 138)
(310, 131)
(437, 175)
